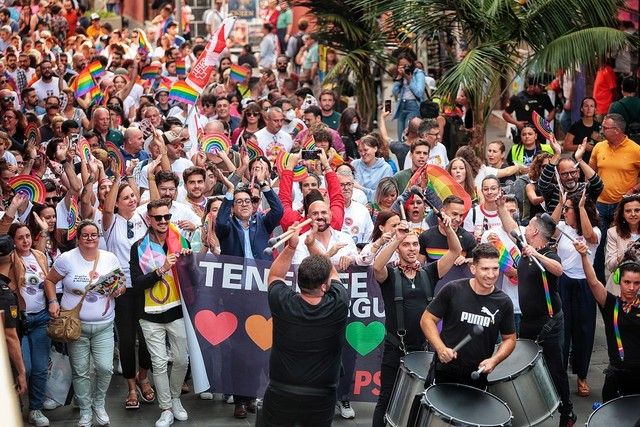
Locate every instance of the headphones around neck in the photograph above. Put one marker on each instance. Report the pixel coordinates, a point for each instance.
(616, 276)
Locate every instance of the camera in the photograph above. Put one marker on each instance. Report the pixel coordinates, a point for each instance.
(310, 154)
(409, 69)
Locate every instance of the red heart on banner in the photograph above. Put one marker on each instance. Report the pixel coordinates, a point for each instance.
(216, 328)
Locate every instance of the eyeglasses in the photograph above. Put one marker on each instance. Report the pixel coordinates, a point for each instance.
(569, 173)
(7, 98)
(159, 218)
(243, 201)
(129, 230)
(252, 114)
(207, 105)
(52, 199)
(92, 236)
(255, 199)
(346, 184)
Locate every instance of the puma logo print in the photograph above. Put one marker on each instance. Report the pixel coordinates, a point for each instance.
(486, 311)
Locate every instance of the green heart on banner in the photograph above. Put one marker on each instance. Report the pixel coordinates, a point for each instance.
(365, 338)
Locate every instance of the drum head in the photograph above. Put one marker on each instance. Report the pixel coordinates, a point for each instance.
(467, 405)
(417, 363)
(622, 411)
(523, 356)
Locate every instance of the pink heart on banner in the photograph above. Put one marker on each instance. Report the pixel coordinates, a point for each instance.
(216, 328)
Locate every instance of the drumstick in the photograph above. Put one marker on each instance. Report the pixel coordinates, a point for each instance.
(274, 240)
(476, 374)
(477, 330)
(268, 251)
(546, 216)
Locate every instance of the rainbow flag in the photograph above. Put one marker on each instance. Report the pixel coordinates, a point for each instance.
(143, 44)
(299, 127)
(308, 142)
(84, 83)
(434, 254)
(238, 73)
(150, 72)
(441, 183)
(543, 126)
(165, 294)
(96, 69)
(181, 68)
(96, 94)
(182, 92)
(336, 160)
(73, 218)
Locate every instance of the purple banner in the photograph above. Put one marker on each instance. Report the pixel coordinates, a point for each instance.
(230, 327)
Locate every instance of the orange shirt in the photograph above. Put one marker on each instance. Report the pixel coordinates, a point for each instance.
(618, 167)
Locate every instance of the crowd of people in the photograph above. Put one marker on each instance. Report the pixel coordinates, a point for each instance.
(128, 216)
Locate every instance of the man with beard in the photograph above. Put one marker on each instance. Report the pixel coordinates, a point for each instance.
(419, 155)
(25, 65)
(47, 85)
(194, 184)
(335, 244)
(17, 74)
(407, 288)
(282, 64)
(569, 173)
(330, 117)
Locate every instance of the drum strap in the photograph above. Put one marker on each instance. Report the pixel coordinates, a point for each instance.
(398, 298)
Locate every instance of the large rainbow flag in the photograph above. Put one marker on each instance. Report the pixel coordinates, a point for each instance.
(441, 182)
(182, 92)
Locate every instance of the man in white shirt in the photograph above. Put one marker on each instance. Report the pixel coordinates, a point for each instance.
(272, 139)
(337, 245)
(47, 85)
(357, 221)
(438, 152)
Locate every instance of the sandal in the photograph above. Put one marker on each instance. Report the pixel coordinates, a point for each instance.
(147, 394)
(583, 388)
(132, 402)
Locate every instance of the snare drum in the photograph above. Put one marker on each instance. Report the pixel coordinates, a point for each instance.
(461, 405)
(622, 411)
(412, 374)
(523, 381)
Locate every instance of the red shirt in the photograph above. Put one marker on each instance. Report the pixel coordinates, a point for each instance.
(603, 88)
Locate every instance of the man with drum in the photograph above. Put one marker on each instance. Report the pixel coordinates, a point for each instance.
(542, 317)
(461, 304)
(407, 288)
(621, 316)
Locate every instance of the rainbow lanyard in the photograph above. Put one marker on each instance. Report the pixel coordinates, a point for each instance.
(547, 294)
(616, 329)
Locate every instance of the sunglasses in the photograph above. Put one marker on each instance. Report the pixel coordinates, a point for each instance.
(7, 98)
(129, 230)
(159, 218)
(52, 199)
(3, 82)
(252, 114)
(52, 106)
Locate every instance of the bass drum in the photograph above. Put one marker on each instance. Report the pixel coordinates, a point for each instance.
(523, 381)
(461, 405)
(409, 385)
(621, 411)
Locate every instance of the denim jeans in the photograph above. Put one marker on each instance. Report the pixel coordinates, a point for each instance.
(406, 111)
(579, 308)
(35, 351)
(605, 211)
(95, 341)
(157, 335)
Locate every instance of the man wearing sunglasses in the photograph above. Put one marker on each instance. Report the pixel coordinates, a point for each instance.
(48, 84)
(162, 318)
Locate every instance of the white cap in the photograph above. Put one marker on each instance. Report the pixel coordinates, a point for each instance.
(95, 16)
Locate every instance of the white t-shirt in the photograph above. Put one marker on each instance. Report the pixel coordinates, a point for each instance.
(96, 308)
(271, 144)
(508, 287)
(357, 222)
(482, 172)
(437, 156)
(33, 290)
(43, 90)
(484, 220)
(336, 237)
(569, 257)
(119, 244)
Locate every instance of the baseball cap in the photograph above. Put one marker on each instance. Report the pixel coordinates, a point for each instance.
(6, 28)
(171, 136)
(94, 16)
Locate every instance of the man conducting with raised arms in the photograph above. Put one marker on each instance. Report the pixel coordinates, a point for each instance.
(461, 304)
(308, 336)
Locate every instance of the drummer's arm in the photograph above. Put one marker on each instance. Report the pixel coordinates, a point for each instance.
(429, 325)
(505, 349)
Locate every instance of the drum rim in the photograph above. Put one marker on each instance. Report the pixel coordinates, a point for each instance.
(411, 372)
(523, 369)
(611, 401)
(451, 418)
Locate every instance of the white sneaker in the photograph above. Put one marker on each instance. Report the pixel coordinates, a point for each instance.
(102, 418)
(346, 411)
(50, 404)
(166, 419)
(37, 418)
(86, 419)
(179, 413)
(228, 398)
(206, 395)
